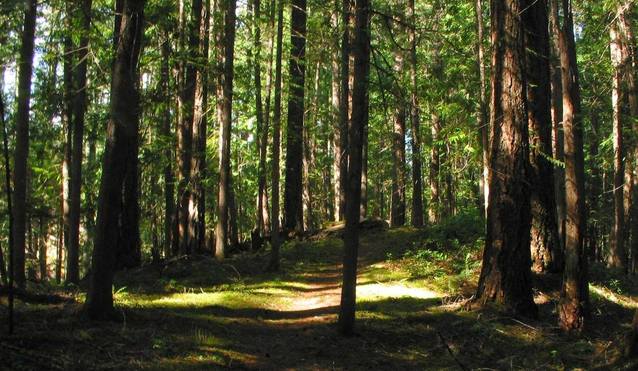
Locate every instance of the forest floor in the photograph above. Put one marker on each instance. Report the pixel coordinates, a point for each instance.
(195, 313)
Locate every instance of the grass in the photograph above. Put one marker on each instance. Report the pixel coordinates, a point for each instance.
(195, 313)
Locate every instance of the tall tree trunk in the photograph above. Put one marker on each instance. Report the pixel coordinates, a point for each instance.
(574, 301)
(79, 109)
(344, 103)
(197, 204)
(505, 274)
(417, 178)
(434, 213)
(25, 68)
(293, 204)
(67, 124)
(261, 139)
(545, 242)
(398, 209)
(361, 51)
(557, 120)
(483, 119)
(337, 150)
(618, 255)
(276, 138)
(121, 137)
(226, 86)
(169, 180)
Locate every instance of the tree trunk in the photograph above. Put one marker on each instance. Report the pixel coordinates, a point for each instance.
(79, 109)
(276, 138)
(557, 120)
(259, 115)
(434, 213)
(197, 205)
(545, 242)
(483, 119)
(505, 274)
(121, 137)
(617, 254)
(226, 98)
(361, 49)
(169, 198)
(42, 251)
(344, 106)
(417, 180)
(397, 216)
(25, 68)
(293, 204)
(574, 301)
(337, 150)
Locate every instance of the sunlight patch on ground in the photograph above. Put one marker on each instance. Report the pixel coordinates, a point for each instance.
(380, 290)
(607, 294)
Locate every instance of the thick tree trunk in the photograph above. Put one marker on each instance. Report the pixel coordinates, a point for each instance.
(276, 139)
(505, 274)
(293, 204)
(121, 137)
(574, 301)
(21, 154)
(545, 242)
(226, 86)
(79, 109)
(361, 48)
(417, 178)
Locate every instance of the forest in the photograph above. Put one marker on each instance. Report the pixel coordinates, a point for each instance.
(320, 185)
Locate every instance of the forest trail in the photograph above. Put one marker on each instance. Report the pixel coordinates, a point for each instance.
(194, 313)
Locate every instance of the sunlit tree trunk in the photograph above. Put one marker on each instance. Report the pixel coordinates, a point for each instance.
(276, 139)
(617, 253)
(574, 301)
(505, 274)
(483, 119)
(398, 208)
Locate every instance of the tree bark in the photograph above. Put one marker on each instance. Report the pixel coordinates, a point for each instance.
(79, 109)
(121, 137)
(276, 138)
(293, 204)
(617, 253)
(483, 119)
(197, 204)
(226, 86)
(344, 105)
(505, 274)
(169, 179)
(574, 301)
(361, 49)
(545, 242)
(434, 213)
(557, 120)
(21, 154)
(398, 208)
(417, 178)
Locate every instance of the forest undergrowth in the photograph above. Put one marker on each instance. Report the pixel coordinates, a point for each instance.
(195, 313)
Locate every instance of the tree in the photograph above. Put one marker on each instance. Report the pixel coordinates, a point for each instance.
(482, 111)
(398, 210)
(361, 51)
(293, 202)
(121, 137)
(22, 142)
(276, 138)
(79, 110)
(617, 254)
(417, 178)
(545, 242)
(505, 273)
(225, 83)
(574, 301)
